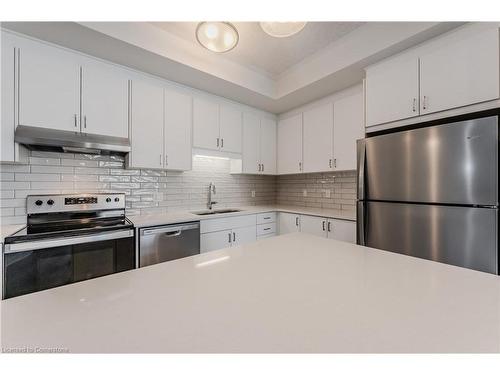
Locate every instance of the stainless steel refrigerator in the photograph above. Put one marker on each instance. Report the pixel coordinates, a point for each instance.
(432, 193)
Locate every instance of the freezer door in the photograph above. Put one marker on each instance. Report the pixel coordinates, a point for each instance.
(461, 236)
(454, 163)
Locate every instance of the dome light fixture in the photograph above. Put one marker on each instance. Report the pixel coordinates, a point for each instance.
(217, 36)
(282, 29)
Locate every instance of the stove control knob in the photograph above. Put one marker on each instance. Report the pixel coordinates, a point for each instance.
(50, 202)
(117, 199)
(108, 200)
(38, 202)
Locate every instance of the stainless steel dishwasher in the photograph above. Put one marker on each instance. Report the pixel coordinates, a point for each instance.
(168, 242)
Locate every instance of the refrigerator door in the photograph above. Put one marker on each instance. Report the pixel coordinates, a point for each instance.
(461, 236)
(454, 163)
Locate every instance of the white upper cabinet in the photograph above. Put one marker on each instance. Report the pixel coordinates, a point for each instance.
(104, 99)
(251, 144)
(49, 86)
(178, 130)
(290, 145)
(268, 146)
(348, 127)
(205, 124)
(146, 125)
(259, 145)
(318, 138)
(392, 90)
(460, 70)
(230, 129)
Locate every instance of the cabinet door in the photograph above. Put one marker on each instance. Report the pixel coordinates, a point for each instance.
(313, 225)
(230, 129)
(251, 144)
(244, 235)
(215, 240)
(268, 146)
(318, 139)
(342, 230)
(288, 223)
(178, 125)
(290, 145)
(104, 99)
(49, 87)
(205, 124)
(463, 71)
(7, 151)
(347, 129)
(392, 90)
(146, 125)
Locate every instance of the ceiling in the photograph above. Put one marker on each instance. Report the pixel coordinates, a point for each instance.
(264, 53)
(272, 74)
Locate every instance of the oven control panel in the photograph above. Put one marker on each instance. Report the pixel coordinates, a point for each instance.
(80, 200)
(75, 202)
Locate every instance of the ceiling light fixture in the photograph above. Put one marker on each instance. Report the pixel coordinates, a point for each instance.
(217, 36)
(282, 29)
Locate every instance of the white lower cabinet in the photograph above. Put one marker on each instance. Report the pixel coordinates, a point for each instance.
(342, 230)
(288, 223)
(226, 232)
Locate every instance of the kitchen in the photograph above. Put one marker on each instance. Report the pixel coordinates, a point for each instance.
(151, 171)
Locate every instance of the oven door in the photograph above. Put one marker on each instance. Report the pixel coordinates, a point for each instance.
(38, 265)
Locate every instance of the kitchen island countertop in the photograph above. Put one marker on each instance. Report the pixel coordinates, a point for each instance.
(291, 293)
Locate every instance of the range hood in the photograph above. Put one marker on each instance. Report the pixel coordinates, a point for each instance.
(67, 141)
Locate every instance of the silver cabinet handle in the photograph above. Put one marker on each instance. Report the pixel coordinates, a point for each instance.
(267, 229)
(300, 165)
(414, 104)
(234, 237)
(76, 120)
(217, 142)
(259, 167)
(160, 159)
(173, 234)
(323, 225)
(222, 143)
(85, 121)
(296, 221)
(335, 163)
(424, 103)
(262, 167)
(330, 163)
(267, 218)
(229, 237)
(329, 226)
(166, 160)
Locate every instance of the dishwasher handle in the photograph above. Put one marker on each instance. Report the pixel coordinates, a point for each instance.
(169, 230)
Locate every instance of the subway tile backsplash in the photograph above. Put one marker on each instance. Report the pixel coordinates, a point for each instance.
(155, 191)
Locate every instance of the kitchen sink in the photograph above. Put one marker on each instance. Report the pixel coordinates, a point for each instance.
(213, 212)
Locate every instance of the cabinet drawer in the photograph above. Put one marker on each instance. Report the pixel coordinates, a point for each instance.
(266, 217)
(263, 229)
(226, 223)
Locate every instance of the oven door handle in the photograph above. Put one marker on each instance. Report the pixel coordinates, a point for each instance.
(66, 241)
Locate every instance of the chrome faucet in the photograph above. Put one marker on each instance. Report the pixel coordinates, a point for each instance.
(211, 190)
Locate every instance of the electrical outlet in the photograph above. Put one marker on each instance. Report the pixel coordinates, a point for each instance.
(327, 193)
(304, 193)
(253, 193)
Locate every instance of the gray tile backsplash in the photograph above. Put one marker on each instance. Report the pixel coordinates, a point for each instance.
(335, 190)
(155, 191)
(148, 191)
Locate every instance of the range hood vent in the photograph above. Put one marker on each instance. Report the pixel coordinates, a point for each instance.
(36, 138)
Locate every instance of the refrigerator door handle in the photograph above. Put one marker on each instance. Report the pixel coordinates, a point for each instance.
(360, 224)
(361, 143)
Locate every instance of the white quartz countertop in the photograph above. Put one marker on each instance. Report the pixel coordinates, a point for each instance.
(292, 293)
(7, 230)
(184, 216)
